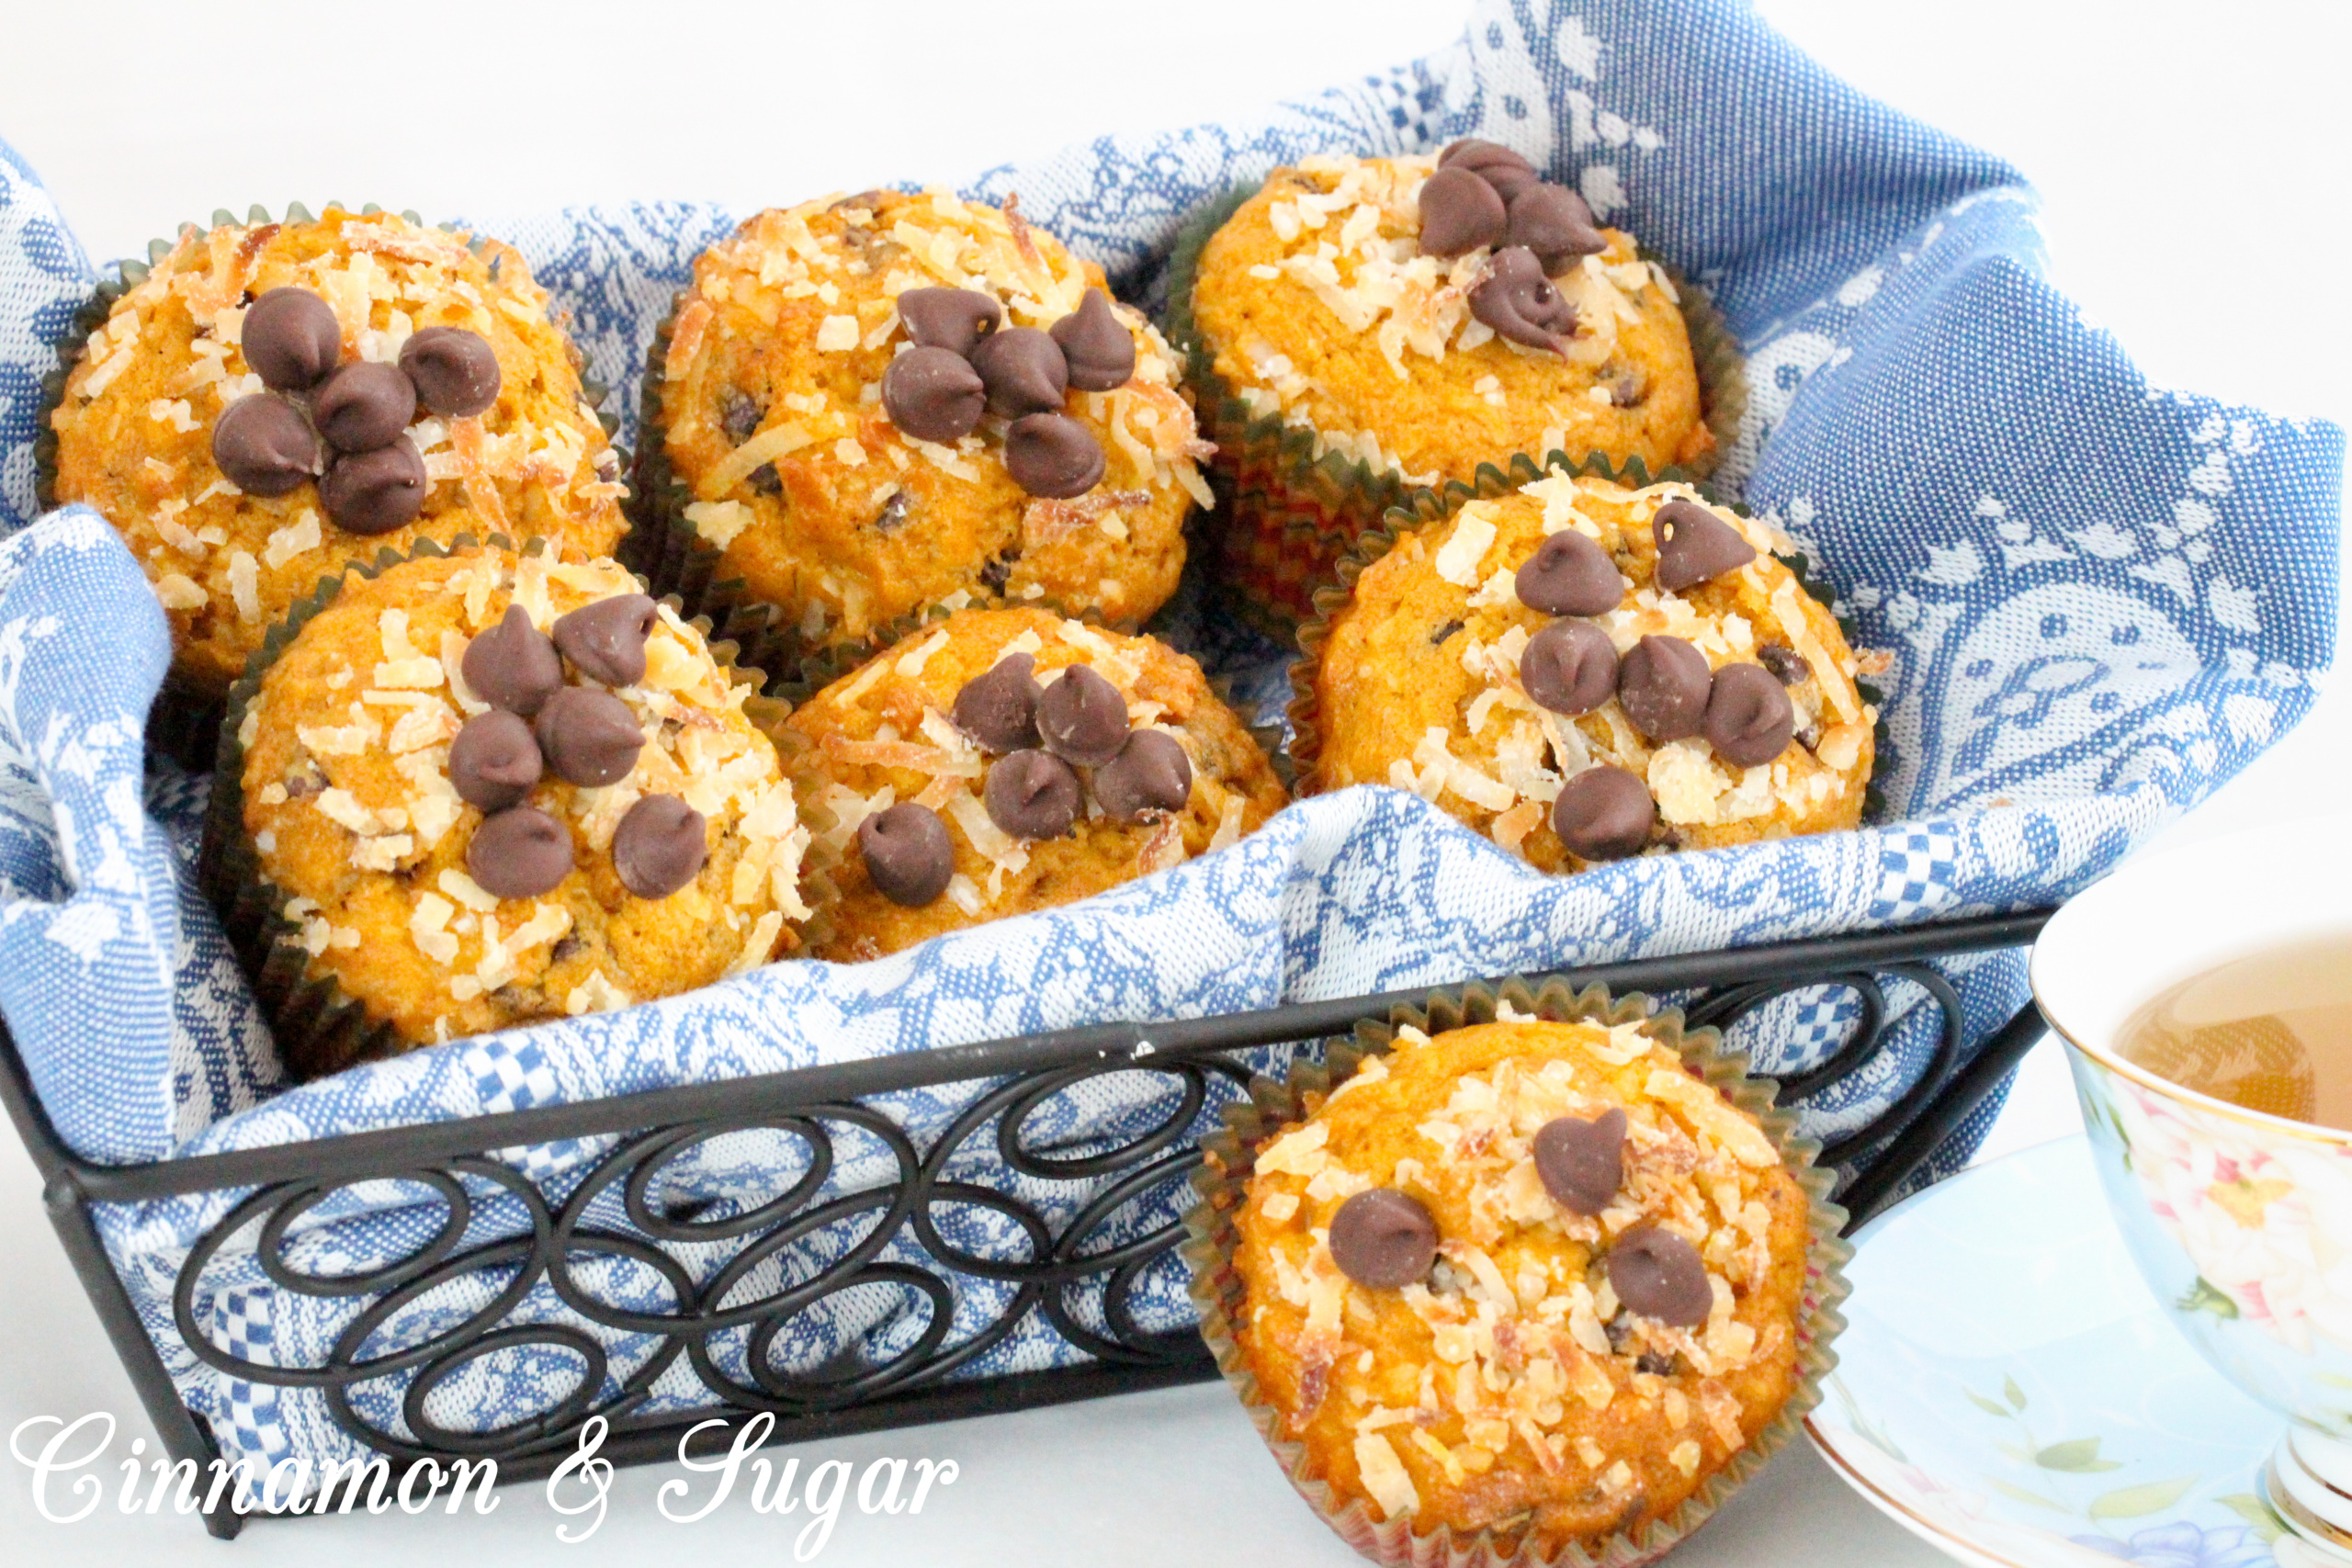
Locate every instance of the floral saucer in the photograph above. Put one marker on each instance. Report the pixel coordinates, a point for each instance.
(2008, 1391)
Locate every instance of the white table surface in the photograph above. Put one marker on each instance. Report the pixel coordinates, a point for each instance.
(2190, 156)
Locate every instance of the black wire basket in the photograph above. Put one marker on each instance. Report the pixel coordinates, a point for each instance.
(1078, 1283)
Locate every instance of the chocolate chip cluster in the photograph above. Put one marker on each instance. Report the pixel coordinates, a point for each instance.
(583, 735)
(1483, 195)
(1384, 1238)
(1662, 683)
(1040, 736)
(343, 425)
(967, 363)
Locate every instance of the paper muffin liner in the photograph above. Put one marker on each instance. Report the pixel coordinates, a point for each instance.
(1431, 506)
(1285, 516)
(319, 1026)
(184, 723)
(1222, 1183)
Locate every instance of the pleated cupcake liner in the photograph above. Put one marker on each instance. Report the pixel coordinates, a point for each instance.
(1431, 506)
(184, 723)
(1222, 1184)
(320, 1028)
(1288, 514)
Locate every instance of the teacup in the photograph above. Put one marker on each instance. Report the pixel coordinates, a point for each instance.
(2240, 1221)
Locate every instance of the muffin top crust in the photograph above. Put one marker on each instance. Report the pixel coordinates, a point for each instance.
(886, 401)
(164, 386)
(1322, 301)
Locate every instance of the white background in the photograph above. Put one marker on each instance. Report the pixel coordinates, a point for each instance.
(2192, 158)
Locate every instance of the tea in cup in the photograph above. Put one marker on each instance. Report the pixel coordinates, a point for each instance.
(2205, 999)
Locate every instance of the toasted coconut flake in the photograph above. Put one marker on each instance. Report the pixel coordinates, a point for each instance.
(595, 994)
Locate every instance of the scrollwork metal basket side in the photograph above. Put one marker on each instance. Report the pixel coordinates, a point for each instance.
(888, 1280)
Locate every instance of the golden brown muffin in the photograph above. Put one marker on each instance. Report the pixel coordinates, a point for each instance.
(136, 428)
(778, 414)
(898, 751)
(1315, 301)
(1524, 1276)
(1421, 681)
(380, 796)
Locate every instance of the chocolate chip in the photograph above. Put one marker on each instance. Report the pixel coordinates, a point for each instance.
(1661, 1276)
(1581, 1163)
(521, 853)
(1500, 167)
(1081, 717)
(1024, 371)
(1459, 213)
(512, 665)
(738, 417)
(1384, 1239)
(263, 445)
(606, 640)
(1052, 455)
(1519, 303)
(1662, 683)
(1555, 223)
(1787, 665)
(997, 707)
(362, 406)
(1628, 385)
(589, 738)
(1569, 575)
(455, 371)
(909, 856)
(764, 481)
(1096, 347)
(1569, 666)
(1603, 813)
(660, 846)
(1657, 1364)
(998, 569)
(494, 760)
(894, 512)
(375, 492)
(1033, 794)
(952, 319)
(290, 339)
(1482, 157)
(1749, 717)
(1694, 545)
(933, 395)
(1150, 774)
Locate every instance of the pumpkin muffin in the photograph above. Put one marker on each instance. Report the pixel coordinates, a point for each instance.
(873, 404)
(1007, 761)
(1528, 1277)
(488, 789)
(272, 401)
(1583, 672)
(1403, 320)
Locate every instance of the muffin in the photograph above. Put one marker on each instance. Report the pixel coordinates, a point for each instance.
(1583, 673)
(272, 401)
(869, 405)
(1006, 761)
(1374, 324)
(1528, 1280)
(487, 789)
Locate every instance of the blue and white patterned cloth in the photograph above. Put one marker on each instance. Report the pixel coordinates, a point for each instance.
(2101, 598)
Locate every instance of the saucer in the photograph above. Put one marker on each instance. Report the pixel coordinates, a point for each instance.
(2008, 1390)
